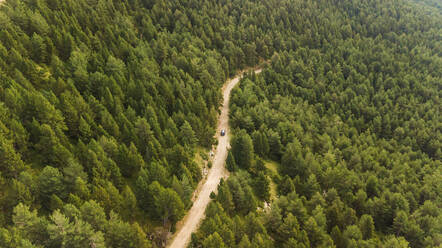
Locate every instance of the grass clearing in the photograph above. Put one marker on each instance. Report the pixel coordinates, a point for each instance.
(272, 166)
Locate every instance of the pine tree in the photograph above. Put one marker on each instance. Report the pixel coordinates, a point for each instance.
(50, 181)
(230, 162)
(245, 242)
(214, 241)
(292, 162)
(337, 237)
(142, 189)
(351, 234)
(288, 229)
(262, 186)
(286, 186)
(249, 200)
(38, 48)
(167, 203)
(25, 220)
(187, 190)
(260, 144)
(10, 161)
(93, 213)
(225, 198)
(188, 136)
(242, 149)
(129, 203)
(55, 203)
(71, 172)
(120, 234)
(78, 234)
(84, 129)
(366, 225)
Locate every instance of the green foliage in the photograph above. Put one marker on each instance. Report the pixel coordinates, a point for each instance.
(122, 234)
(242, 149)
(214, 241)
(166, 203)
(11, 163)
(50, 182)
(286, 186)
(345, 109)
(366, 225)
(187, 135)
(260, 144)
(87, 227)
(262, 186)
(292, 161)
(230, 162)
(107, 92)
(63, 233)
(103, 101)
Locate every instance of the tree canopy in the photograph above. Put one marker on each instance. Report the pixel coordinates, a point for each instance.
(348, 115)
(104, 105)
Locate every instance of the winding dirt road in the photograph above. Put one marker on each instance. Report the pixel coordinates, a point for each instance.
(190, 222)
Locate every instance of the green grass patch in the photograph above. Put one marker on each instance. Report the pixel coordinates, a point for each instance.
(272, 166)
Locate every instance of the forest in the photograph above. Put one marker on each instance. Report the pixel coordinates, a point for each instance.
(106, 104)
(338, 141)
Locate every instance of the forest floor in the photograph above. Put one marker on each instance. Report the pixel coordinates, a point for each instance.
(190, 222)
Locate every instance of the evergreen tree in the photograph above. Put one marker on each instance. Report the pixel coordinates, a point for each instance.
(262, 186)
(245, 242)
(292, 162)
(129, 203)
(260, 144)
(79, 234)
(168, 205)
(11, 163)
(50, 181)
(93, 213)
(187, 134)
(214, 241)
(242, 149)
(230, 162)
(286, 186)
(225, 198)
(366, 225)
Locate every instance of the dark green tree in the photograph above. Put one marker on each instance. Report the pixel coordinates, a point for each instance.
(50, 181)
(187, 134)
(292, 162)
(242, 149)
(366, 225)
(262, 186)
(214, 241)
(230, 162)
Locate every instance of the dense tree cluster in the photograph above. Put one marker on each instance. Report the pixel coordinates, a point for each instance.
(70, 226)
(350, 112)
(106, 100)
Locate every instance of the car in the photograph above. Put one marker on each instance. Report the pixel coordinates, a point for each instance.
(223, 132)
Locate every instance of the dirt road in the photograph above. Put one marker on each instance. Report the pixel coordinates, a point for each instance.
(196, 214)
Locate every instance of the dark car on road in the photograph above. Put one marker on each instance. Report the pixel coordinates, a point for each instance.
(223, 132)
